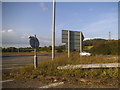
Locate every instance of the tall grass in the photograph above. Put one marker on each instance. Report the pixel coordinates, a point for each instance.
(49, 68)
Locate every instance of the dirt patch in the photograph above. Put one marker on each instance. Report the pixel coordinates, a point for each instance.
(73, 83)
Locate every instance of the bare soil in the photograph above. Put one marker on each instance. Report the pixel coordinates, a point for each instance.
(68, 83)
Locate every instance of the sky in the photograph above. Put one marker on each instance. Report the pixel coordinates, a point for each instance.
(22, 19)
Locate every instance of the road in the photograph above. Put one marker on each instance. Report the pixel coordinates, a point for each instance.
(10, 62)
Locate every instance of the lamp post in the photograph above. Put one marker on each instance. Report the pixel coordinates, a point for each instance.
(53, 30)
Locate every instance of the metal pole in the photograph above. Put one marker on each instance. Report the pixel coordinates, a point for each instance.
(35, 57)
(68, 43)
(80, 42)
(53, 30)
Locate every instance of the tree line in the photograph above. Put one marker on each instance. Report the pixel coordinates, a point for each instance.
(29, 49)
(99, 46)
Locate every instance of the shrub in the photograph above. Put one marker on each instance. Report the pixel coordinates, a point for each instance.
(102, 49)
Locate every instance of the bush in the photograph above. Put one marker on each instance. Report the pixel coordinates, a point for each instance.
(59, 50)
(102, 48)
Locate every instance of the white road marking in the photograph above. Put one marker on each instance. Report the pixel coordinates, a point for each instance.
(12, 68)
(6, 81)
(7, 68)
(9, 64)
(52, 85)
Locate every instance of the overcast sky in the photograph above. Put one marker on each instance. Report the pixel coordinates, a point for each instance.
(22, 19)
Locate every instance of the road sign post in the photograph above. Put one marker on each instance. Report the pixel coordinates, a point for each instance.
(34, 42)
(35, 59)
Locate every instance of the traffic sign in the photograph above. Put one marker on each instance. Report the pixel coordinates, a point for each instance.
(34, 42)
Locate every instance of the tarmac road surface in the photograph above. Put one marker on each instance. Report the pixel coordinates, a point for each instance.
(16, 61)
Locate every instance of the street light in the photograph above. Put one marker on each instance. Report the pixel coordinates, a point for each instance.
(53, 30)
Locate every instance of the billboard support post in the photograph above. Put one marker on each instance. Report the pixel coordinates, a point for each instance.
(68, 43)
(80, 42)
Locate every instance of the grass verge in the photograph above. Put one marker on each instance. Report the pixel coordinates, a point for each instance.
(47, 70)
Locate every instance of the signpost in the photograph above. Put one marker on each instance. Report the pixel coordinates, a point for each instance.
(73, 40)
(34, 42)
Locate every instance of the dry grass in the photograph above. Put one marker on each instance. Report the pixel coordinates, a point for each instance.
(47, 70)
